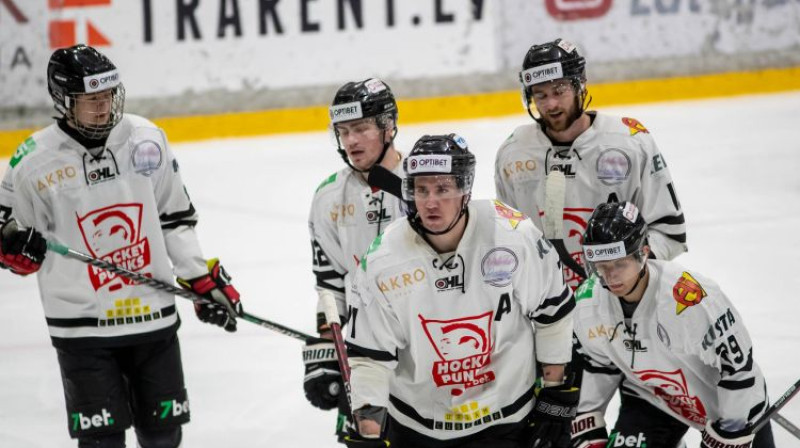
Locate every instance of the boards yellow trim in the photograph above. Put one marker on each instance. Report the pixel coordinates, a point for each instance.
(306, 119)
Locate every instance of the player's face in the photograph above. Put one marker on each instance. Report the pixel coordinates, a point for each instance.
(556, 104)
(438, 201)
(93, 109)
(362, 140)
(620, 275)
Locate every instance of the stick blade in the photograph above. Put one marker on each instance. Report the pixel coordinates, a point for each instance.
(554, 197)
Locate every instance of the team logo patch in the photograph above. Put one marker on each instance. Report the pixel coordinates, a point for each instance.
(671, 387)
(498, 265)
(513, 216)
(464, 346)
(687, 292)
(634, 125)
(113, 235)
(613, 166)
(146, 157)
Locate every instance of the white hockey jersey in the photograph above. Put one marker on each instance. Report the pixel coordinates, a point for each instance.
(686, 351)
(615, 159)
(446, 341)
(127, 206)
(346, 215)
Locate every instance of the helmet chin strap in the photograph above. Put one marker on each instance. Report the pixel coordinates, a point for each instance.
(642, 272)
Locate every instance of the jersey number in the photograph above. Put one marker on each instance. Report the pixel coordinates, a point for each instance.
(728, 348)
(5, 213)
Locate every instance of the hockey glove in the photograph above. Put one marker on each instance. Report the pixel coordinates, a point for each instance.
(222, 305)
(323, 380)
(552, 416)
(21, 250)
(589, 431)
(713, 436)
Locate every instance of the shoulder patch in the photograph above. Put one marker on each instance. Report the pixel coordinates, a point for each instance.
(513, 216)
(586, 289)
(25, 148)
(331, 179)
(634, 125)
(376, 243)
(687, 292)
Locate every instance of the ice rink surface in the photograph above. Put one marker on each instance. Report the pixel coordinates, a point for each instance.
(735, 163)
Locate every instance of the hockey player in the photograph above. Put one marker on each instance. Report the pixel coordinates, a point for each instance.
(346, 215)
(670, 336)
(603, 158)
(446, 309)
(107, 183)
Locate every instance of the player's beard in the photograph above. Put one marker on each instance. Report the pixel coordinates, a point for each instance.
(571, 115)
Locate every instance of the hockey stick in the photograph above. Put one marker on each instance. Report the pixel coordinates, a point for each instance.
(555, 191)
(164, 286)
(380, 177)
(772, 411)
(332, 317)
(786, 424)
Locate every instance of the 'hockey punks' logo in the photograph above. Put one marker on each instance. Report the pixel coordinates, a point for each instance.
(113, 235)
(464, 346)
(672, 388)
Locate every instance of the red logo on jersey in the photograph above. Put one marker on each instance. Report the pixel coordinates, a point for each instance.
(577, 9)
(575, 222)
(464, 346)
(506, 212)
(634, 125)
(112, 234)
(671, 387)
(687, 292)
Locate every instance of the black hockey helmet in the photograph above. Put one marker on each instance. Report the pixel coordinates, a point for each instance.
(81, 69)
(615, 230)
(363, 99)
(551, 61)
(438, 155)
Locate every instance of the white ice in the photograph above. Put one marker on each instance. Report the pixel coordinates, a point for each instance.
(735, 163)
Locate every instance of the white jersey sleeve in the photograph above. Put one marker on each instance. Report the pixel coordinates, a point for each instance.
(659, 203)
(721, 341)
(374, 336)
(328, 259)
(550, 302)
(177, 214)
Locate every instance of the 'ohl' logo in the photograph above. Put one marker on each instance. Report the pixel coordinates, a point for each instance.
(172, 408)
(101, 174)
(634, 345)
(448, 283)
(577, 9)
(565, 168)
(376, 216)
(80, 421)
